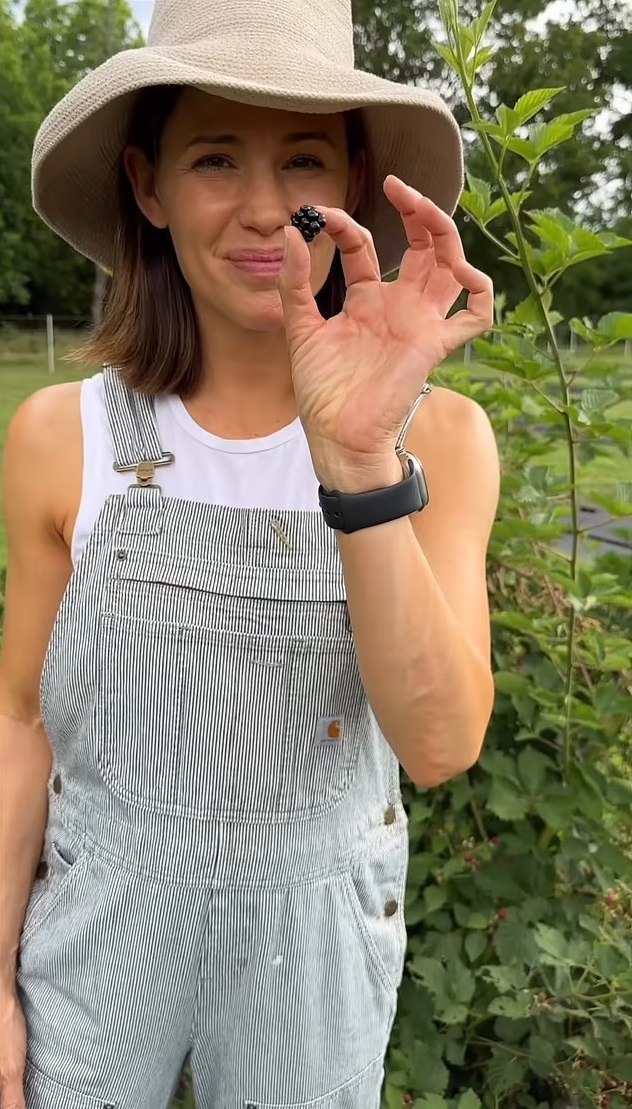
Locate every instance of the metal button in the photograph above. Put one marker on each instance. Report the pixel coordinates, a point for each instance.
(121, 555)
(390, 816)
(42, 870)
(390, 908)
(57, 783)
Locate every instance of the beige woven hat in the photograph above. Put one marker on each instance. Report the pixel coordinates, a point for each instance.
(289, 54)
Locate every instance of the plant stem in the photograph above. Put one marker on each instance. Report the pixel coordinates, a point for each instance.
(557, 359)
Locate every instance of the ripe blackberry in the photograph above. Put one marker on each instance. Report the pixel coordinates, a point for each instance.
(309, 221)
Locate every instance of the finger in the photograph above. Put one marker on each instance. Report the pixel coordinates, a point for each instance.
(355, 243)
(300, 311)
(430, 231)
(478, 316)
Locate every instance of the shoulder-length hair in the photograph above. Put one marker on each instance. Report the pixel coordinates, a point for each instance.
(149, 328)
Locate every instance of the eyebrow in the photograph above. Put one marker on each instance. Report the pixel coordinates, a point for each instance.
(234, 140)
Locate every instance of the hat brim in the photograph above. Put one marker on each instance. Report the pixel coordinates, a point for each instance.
(77, 150)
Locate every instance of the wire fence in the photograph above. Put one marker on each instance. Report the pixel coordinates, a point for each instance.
(47, 338)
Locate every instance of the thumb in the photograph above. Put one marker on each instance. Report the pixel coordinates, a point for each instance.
(300, 310)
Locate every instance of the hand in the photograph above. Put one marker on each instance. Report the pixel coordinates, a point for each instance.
(357, 375)
(12, 1050)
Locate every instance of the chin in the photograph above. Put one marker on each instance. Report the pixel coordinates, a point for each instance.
(263, 316)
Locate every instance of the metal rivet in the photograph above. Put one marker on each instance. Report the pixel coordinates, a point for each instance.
(390, 816)
(121, 555)
(390, 908)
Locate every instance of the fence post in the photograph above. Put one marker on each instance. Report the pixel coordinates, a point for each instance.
(50, 343)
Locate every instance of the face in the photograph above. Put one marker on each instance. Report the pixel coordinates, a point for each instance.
(228, 179)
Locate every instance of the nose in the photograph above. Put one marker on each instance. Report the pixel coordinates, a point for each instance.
(264, 206)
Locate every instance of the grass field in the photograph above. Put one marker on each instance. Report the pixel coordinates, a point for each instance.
(23, 370)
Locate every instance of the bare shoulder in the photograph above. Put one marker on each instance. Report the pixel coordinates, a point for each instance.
(45, 415)
(43, 455)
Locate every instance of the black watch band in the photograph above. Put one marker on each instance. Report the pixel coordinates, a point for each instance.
(349, 512)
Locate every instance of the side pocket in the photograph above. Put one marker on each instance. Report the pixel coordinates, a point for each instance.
(361, 1092)
(375, 886)
(42, 1092)
(59, 861)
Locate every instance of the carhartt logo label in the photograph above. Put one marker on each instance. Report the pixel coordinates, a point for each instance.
(330, 731)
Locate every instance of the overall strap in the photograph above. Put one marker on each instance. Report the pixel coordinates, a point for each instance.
(134, 430)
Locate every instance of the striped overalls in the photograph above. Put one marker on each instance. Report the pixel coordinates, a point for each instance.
(226, 850)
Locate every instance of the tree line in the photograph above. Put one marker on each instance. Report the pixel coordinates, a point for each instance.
(48, 45)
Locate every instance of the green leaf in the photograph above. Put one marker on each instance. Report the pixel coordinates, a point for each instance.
(522, 147)
(506, 801)
(533, 767)
(469, 1100)
(461, 981)
(448, 55)
(549, 135)
(479, 26)
(435, 898)
(508, 120)
(551, 941)
(532, 102)
(549, 229)
(596, 400)
(433, 975)
(511, 683)
(616, 326)
(475, 944)
(513, 1007)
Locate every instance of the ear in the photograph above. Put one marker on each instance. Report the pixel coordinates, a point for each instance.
(357, 183)
(142, 177)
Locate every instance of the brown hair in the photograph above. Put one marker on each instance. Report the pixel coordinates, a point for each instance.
(149, 328)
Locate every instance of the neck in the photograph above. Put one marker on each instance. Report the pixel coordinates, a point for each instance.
(246, 387)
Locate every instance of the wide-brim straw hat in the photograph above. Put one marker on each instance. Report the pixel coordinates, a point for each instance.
(295, 55)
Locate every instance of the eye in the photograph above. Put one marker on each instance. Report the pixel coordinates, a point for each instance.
(307, 158)
(210, 161)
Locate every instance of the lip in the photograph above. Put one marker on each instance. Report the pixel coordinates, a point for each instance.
(259, 256)
(259, 268)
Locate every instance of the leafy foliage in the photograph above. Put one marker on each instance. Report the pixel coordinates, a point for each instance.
(518, 987)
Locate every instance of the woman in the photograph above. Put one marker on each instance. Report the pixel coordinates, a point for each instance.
(219, 560)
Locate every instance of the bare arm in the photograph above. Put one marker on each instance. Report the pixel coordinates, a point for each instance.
(42, 474)
(422, 583)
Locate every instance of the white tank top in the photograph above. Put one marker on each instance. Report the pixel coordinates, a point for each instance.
(275, 471)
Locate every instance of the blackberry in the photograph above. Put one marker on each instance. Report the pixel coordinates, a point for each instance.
(309, 221)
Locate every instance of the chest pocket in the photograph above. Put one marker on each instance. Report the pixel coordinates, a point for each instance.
(227, 691)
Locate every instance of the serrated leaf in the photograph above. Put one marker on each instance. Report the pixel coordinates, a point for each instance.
(512, 1007)
(532, 102)
(533, 767)
(473, 204)
(559, 130)
(596, 400)
(547, 226)
(448, 55)
(480, 25)
(498, 208)
(506, 801)
(522, 147)
(433, 975)
(507, 120)
(551, 941)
